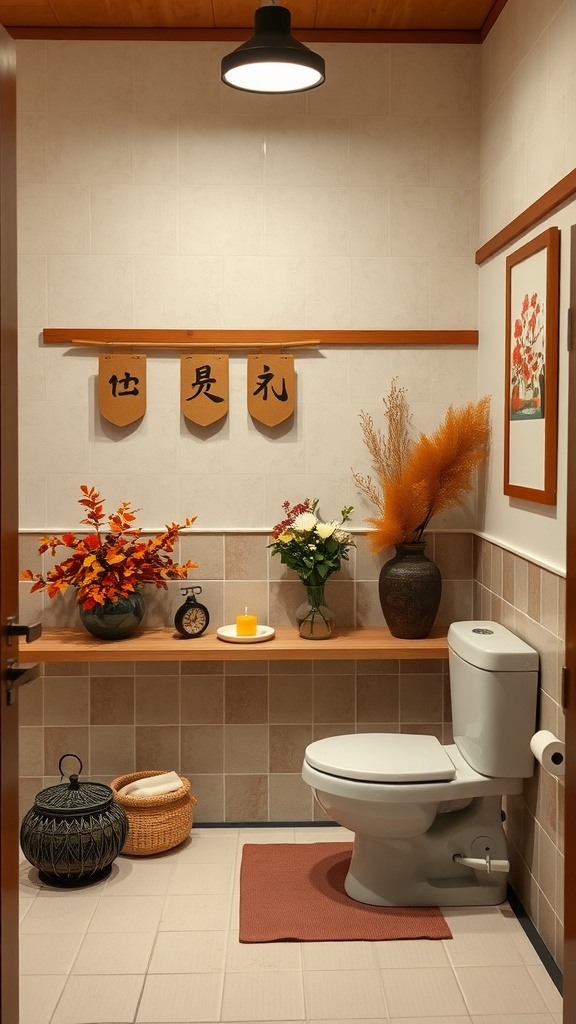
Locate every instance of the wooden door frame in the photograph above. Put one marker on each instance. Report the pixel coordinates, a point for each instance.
(8, 533)
(569, 966)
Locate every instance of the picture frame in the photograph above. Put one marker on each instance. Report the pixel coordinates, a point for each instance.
(531, 373)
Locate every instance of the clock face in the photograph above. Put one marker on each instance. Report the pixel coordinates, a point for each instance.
(191, 619)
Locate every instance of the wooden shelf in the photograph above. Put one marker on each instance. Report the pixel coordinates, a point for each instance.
(286, 645)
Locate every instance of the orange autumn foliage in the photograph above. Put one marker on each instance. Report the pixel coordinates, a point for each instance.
(426, 476)
(104, 566)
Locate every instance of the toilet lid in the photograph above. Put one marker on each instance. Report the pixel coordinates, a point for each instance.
(382, 757)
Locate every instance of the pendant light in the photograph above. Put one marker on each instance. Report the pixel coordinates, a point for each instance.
(272, 61)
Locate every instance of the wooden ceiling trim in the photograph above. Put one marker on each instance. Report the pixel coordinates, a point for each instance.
(239, 35)
(492, 18)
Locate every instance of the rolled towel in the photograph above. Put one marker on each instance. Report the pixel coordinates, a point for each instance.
(151, 782)
(145, 793)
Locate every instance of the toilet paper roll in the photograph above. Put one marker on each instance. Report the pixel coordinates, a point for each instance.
(549, 751)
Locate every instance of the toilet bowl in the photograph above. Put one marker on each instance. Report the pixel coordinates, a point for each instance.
(427, 818)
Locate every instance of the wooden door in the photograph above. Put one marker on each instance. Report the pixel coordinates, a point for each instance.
(8, 534)
(569, 967)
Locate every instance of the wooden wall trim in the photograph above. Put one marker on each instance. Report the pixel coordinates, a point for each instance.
(184, 338)
(560, 193)
(471, 36)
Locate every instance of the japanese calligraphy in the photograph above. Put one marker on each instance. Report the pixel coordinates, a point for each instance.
(204, 388)
(203, 384)
(129, 385)
(122, 388)
(265, 378)
(271, 388)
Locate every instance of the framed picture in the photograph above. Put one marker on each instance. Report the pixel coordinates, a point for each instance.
(531, 382)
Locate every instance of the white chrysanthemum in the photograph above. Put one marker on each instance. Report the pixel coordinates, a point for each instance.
(305, 521)
(325, 530)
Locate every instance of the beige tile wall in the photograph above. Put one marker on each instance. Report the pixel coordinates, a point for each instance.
(531, 601)
(238, 730)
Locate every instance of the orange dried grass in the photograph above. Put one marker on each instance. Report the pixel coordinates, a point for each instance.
(417, 480)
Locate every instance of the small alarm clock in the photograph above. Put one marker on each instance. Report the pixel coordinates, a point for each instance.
(192, 618)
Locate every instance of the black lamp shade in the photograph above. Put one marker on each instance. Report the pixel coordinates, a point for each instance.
(272, 61)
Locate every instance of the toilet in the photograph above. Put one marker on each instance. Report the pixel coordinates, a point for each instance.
(427, 818)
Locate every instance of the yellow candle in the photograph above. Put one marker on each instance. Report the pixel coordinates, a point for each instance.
(246, 624)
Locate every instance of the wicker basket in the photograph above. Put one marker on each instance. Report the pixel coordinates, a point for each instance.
(157, 823)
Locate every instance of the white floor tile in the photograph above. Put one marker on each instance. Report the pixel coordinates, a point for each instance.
(514, 1018)
(200, 913)
(430, 991)
(129, 879)
(70, 913)
(38, 997)
(215, 833)
(157, 942)
(180, 1000)
(266, 996)
(481, 949)
(262, 956)
(114, 953)
(338, 956)
(334, 994)
(431, 1020)
(188, 952)
(203, 850)
(525, 947)
(25, 904)
(29, 883)
(414, 953)
(99, 999)
(329, 834)
(546, 987)
(499, 990)
(234, 916)
(200, 879)
(127, 914)
(40, 956)
(266, 835)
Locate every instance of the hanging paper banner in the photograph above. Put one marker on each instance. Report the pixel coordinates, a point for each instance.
(204, 387)
(271, 388)
(122, 388)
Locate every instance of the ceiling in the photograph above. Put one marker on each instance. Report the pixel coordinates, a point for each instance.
(219, 16)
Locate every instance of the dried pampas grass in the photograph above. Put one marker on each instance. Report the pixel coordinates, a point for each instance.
(415, 480)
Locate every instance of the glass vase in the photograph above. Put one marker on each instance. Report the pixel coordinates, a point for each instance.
(315, 620)
(114, 620)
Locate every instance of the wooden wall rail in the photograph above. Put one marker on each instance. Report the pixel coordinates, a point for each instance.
(184, 338)
(556, 196)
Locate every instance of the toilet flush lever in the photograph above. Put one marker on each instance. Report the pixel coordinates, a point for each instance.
(482, 864)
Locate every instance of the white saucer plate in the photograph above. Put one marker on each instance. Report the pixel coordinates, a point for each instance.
(229, 634)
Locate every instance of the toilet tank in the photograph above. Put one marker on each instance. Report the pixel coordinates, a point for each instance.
(494, 690)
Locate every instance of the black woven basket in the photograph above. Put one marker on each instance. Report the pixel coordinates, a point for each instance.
(74, 831)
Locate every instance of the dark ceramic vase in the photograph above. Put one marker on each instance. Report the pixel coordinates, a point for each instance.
(410, 587)
(114, 620)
